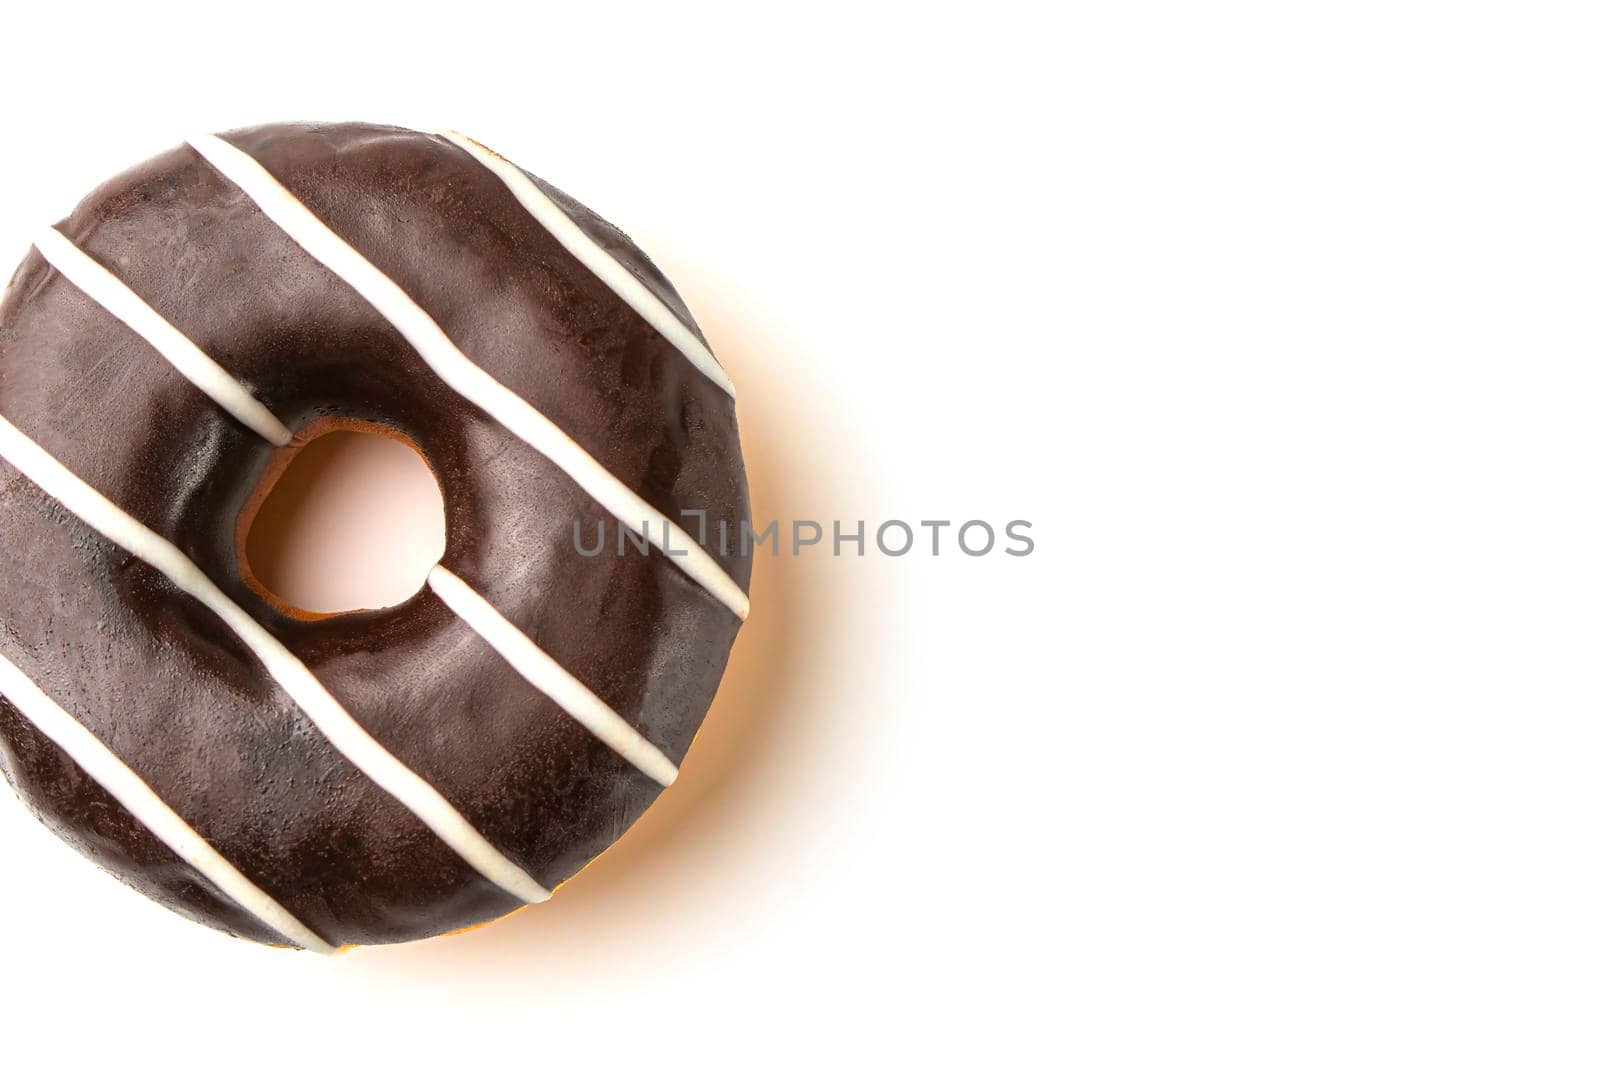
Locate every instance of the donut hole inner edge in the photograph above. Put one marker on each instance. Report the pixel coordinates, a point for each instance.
(348, 517)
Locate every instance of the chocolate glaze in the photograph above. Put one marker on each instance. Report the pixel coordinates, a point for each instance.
(168, 687)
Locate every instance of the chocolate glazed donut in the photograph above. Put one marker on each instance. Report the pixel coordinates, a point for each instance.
(371, 776)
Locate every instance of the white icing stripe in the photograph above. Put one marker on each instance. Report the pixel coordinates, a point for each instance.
(601, 263)
(335, 723)
(118, 779)
(109, 291)
(465, 376)
(550, 678)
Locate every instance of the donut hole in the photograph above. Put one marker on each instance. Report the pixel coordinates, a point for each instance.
(350, 520)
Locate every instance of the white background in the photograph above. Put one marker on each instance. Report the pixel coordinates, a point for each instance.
(1277, 320)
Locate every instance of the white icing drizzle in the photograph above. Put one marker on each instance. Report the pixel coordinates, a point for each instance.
(335, 723)
(111, 293)
(464, 376)
(601, 263)
(118, 779)
(550, 678)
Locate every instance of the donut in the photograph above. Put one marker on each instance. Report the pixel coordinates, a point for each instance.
(368, 777)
